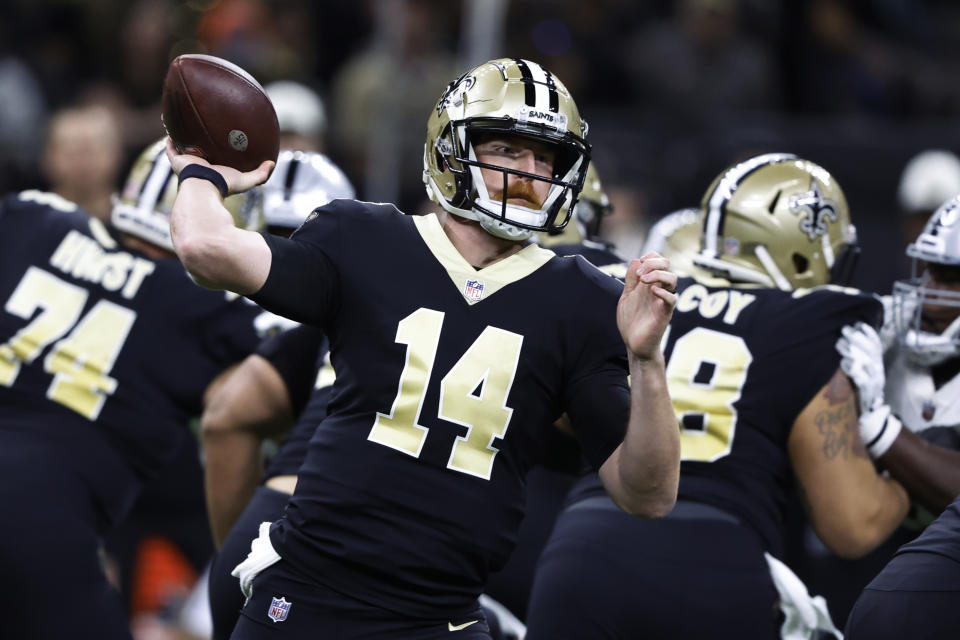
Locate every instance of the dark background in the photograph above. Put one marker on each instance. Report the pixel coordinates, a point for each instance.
(673, 91)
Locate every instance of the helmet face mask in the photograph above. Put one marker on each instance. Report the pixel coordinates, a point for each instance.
(778, 221)
(513, 99)
(926, 308)
(143, 208)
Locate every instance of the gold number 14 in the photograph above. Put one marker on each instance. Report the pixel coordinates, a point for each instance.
(473, 393)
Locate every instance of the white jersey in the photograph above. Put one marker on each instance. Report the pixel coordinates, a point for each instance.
(912, 396)
(909, 389)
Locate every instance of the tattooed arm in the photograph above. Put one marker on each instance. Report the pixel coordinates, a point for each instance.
(851, 507)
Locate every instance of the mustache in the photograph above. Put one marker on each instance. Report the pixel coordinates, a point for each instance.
(519, 191)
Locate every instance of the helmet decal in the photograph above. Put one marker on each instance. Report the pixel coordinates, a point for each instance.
(779, 221)
(813, 210)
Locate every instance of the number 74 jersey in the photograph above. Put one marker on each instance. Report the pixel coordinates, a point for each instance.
(104, 353)
(742, 363)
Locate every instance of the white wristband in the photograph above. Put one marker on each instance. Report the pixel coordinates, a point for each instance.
(878, 429)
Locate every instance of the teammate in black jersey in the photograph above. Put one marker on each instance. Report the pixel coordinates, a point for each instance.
(456, 346)
(106, 348)
(761, 407)
(262, 397)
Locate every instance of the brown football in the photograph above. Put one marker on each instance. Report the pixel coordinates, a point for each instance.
(214, 109)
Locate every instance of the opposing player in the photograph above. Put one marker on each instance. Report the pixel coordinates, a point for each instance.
(452, 358)
(913, 383)
(761, 406)
(107, 348)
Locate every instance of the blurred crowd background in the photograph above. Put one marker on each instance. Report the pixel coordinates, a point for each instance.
(673, 90)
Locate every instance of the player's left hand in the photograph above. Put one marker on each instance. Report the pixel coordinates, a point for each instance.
(861, 352)
(646, 304)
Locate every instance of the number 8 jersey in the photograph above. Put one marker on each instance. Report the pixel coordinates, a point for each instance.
(742, 363)
(448, 381)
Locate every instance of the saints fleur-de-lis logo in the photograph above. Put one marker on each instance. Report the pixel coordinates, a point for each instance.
(814, 211)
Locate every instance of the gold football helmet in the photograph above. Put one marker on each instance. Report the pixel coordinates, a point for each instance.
(143, 208)
(779, 221)
(592, 206)
(677, 236)
(518, 98)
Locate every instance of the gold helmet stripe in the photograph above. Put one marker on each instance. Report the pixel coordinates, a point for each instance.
(156, 183)
(717, 203)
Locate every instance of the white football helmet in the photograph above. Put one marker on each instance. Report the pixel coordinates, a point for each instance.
(143, 208)
(512, 97)
(936, 255)
(301, 182)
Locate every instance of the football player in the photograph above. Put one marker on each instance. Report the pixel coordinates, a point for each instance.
(761, 405)
(455, 348)
(262, 398)
(106, 349)
(913, 383)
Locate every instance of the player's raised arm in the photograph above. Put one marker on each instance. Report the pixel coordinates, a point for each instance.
(216, 253)
(642, 474)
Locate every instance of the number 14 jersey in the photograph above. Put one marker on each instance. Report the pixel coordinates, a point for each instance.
(448, 379)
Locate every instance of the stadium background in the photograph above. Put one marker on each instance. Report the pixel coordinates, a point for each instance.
(673, 91)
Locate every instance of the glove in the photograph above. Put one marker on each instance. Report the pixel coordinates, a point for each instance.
(262, 555)
(861, 354)
(862, 360)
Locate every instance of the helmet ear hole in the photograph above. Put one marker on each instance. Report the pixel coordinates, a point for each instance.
(800, 263)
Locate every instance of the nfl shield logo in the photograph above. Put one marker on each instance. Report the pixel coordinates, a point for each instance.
(473, 290)
(279, 608)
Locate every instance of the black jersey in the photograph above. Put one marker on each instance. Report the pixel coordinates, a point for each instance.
(447, 380)
(599, 254)
(742, 363)
(942, 537)
(104, 351)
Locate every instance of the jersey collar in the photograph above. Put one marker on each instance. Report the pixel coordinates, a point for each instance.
(478, 284)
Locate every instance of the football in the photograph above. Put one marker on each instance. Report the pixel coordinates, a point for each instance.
(214, 109)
